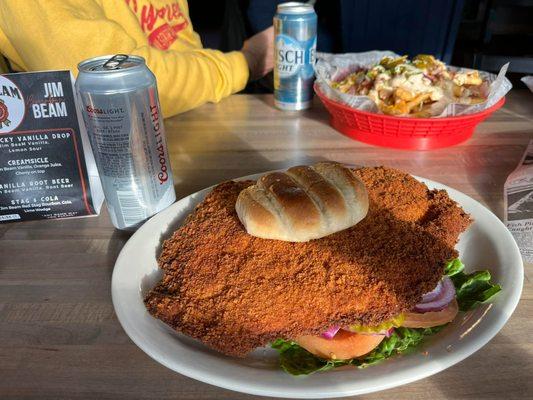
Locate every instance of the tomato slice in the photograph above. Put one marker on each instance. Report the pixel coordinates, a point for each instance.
(344, 345)
(432, 318)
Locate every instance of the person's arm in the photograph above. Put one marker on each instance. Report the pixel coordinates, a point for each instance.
(58, 35)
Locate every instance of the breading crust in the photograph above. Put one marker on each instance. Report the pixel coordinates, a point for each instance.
(235, 292)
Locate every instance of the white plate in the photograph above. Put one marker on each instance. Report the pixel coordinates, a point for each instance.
(486, 244)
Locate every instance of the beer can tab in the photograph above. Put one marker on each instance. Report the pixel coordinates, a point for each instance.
(116, 61)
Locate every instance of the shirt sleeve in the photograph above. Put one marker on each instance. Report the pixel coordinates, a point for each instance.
(59, 36)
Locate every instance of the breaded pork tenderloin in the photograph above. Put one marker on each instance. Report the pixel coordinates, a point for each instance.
(235, 292)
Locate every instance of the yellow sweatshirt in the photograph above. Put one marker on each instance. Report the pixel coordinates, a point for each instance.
(57, 34)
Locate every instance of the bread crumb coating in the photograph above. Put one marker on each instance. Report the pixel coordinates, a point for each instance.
(235, 292)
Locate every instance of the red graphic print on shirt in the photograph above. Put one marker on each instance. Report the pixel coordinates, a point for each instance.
(161, 24)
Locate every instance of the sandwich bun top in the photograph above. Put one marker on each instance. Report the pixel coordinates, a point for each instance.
(303, 203)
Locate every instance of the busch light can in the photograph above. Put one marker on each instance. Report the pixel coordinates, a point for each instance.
(294, 59)
(121, 111)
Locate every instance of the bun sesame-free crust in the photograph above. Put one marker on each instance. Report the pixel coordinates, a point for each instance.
(303, 203)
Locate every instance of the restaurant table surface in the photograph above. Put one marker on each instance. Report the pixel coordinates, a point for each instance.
(60, 338)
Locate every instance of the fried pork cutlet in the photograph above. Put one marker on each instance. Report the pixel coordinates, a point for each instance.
(235, 292)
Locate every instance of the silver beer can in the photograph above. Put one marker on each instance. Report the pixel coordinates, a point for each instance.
(295, 27)
(121, 111)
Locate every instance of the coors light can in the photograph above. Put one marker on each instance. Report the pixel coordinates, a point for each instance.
(294, 59)
(121, 111)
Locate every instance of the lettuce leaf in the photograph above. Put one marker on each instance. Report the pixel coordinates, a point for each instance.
(471, 289)
(295, 360)
(453, 267)
(402, 340)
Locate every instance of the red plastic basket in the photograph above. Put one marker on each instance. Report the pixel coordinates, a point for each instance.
(403, 132)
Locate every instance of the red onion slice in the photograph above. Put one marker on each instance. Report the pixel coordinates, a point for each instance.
(430, 296)
(441, 301)
(331, 332)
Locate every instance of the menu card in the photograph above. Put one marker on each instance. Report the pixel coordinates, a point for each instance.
(47, 169)
(518, 197)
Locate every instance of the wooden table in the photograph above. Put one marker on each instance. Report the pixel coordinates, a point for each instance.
(60, 339)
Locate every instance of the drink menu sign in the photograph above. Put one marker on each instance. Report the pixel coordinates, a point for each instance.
(46, 167)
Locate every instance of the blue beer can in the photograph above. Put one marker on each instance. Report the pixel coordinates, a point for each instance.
(294, 59)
